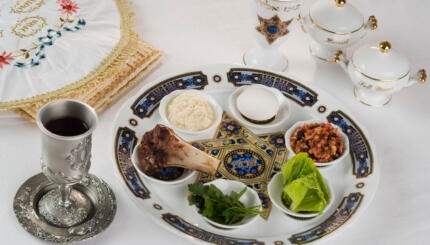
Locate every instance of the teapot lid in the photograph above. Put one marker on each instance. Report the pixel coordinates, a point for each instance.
(380, 63)
(336, 16)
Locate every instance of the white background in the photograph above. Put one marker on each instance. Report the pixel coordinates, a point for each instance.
(198, 32)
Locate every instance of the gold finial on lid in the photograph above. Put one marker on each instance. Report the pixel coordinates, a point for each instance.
(340, 3)
(384, 46)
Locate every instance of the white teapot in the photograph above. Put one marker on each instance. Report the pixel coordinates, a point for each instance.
(378, 72)
(334, 25)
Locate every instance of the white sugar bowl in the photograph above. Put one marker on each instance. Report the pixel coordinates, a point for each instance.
(334, 25)
(378, 71)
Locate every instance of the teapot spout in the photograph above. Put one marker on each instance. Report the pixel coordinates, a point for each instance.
(372, 23)
(340, 59)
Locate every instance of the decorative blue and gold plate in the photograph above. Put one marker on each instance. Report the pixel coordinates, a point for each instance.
(251, 155)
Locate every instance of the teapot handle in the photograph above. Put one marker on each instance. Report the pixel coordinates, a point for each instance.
(421, 77)
(372, 23)
(340, 58)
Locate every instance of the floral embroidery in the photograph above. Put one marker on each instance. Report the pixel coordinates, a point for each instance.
(5, 58)
(68, 6)
(31, 56)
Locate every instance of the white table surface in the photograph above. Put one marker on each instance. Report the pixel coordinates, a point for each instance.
(198, 32)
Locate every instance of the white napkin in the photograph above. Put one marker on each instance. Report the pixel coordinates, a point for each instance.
(66, 40)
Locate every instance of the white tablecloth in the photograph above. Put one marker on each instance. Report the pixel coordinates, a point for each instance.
(198, 32)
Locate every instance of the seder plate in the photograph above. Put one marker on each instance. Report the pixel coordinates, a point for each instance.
(101, 214)
(354, 180)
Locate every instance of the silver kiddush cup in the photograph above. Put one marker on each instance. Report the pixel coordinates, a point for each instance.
(66, 126)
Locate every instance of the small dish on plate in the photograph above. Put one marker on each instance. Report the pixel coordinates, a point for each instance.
(340, 152)
(248, 199)
(275, 189)
(259, 106)
(191, 113)
(169, 176)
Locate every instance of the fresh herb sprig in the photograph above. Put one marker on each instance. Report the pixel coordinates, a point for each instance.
(221, 208)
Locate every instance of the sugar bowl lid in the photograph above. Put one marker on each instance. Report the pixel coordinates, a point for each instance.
(380, 63)
(336, 16)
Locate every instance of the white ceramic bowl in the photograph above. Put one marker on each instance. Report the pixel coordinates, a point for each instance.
(275, 189)
(188, 134)
(298, 124)
(249, 199)
(186, 176)
(283, 112)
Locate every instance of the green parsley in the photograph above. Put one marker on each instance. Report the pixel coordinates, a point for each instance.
(218, 207)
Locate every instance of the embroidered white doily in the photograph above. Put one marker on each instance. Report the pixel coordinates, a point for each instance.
(47, 44)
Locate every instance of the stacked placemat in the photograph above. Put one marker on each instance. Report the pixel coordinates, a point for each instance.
(84, 50)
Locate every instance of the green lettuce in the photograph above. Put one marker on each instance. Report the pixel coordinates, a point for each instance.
(304, 188)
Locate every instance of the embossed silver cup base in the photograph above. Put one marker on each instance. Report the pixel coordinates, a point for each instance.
(69, 215)
(32, 209)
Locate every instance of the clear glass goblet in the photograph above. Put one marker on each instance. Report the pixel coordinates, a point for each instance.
(272, 21)
(66, 127)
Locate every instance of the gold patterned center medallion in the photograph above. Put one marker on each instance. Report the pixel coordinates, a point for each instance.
(246, 157)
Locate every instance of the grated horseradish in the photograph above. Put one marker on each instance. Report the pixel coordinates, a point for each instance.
(191, 112)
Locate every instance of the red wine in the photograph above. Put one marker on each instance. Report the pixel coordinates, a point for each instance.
(67, 126)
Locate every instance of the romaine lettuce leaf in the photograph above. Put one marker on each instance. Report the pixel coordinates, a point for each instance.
(304, 188)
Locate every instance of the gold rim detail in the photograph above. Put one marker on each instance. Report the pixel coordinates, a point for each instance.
(319, 57)
(378, 79)
(365, 103)
(333, 32)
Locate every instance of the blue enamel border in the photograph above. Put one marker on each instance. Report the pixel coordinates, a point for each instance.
(342, 214)
(146, 104)
(362, 156)
(187, 228)
(125, 141)
(294, 90)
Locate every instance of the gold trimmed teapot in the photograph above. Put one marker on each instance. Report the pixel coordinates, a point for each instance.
(334, 25)
(378, 71)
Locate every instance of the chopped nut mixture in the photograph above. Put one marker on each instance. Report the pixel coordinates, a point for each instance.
(320, 140)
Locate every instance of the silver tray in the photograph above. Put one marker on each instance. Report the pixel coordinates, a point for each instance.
(102, 202)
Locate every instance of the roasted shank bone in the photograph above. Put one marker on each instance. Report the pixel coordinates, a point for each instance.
(161, 148)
